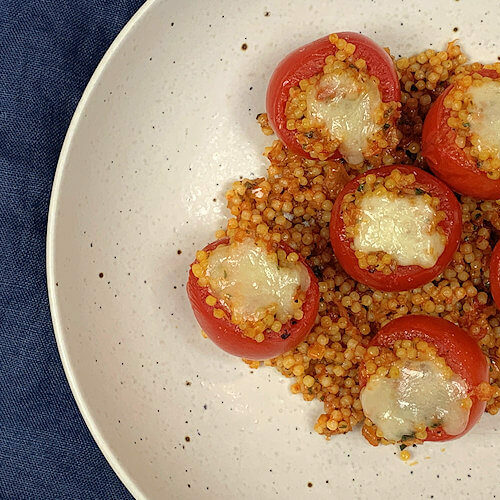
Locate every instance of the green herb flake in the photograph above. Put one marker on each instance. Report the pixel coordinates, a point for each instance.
(361, 187)
(386, 126)
(419, 191)
(466, 124)
(403, 446)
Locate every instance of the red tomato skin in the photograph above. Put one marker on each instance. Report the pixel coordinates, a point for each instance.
(495, 274)
(307, 61)
(405, 277)
(231, 339)
(449, 162)
(456, 346)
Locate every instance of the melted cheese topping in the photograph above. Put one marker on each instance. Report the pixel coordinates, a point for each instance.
(248, 279)
(401, 227)
(485, 119)
(420, 395)
(347, 111)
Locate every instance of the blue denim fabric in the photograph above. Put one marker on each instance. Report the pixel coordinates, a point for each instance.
(48, 51)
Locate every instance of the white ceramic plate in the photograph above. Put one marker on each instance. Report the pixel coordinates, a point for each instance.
(166, 122)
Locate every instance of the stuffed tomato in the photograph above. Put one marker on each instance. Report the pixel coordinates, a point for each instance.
(423, 379)
(250, 300)
(395, 228)
(336, 96)
(461, 135)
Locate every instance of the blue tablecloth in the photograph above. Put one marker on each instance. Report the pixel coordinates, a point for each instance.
(48, 51)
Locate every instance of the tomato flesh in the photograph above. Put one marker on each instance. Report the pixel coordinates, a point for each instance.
(495, 274)
(460, 351)
(309, 60)
(229, 336)
(404, 277)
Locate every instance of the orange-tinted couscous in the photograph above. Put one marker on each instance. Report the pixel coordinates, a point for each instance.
(293, 203)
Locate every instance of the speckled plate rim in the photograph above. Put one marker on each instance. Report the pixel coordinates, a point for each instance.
(125, 478)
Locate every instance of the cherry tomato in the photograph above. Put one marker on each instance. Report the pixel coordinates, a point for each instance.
(495, 274)
(460, 351)
(450, 162)
(309, 60)
(404, 277)
(229, 336)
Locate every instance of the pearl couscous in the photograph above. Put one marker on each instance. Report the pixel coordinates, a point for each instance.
(292, 204)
